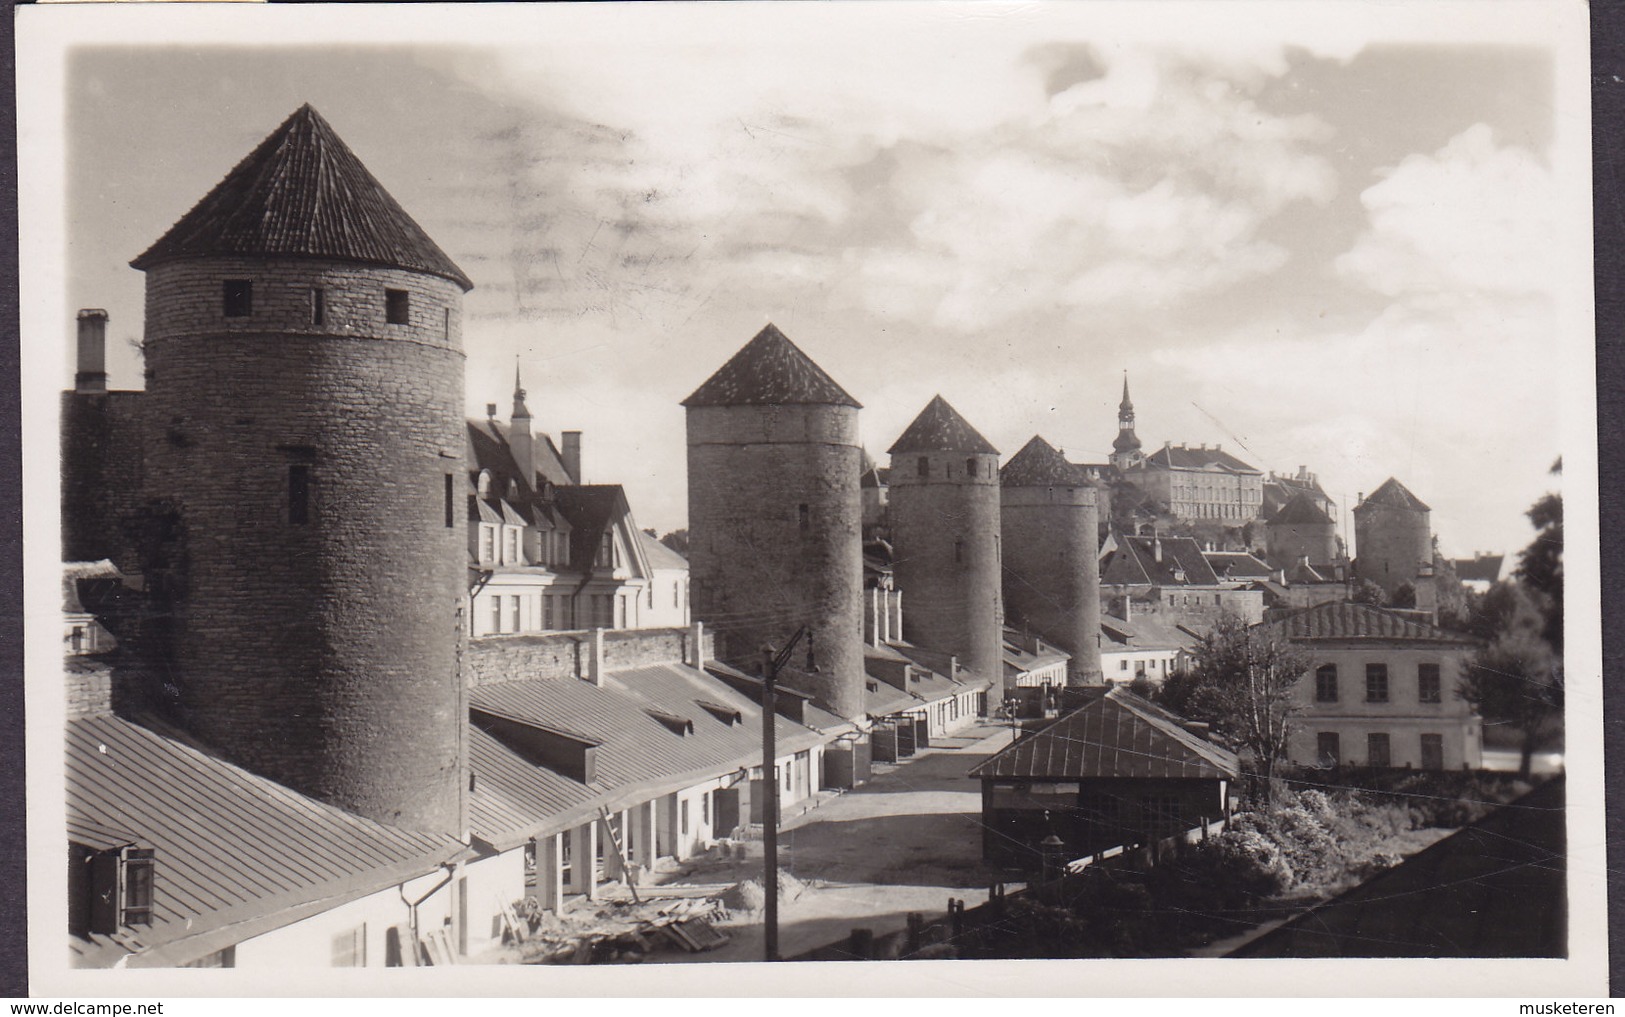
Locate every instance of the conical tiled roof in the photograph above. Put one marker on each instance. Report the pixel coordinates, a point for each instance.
(770, 371)
(1394, 494)
(303, 193)
(1300, 510)
(1038, 464)
(940, 428)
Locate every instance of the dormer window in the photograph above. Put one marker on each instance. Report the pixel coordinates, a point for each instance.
(238, 298)
(397, 307)
(606, 551)
(110, 888)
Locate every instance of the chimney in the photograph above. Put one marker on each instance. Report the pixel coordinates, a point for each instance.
(491, 412)
(1427, 593)
(595, 665)
(1156, 548)
(694, 653)
(572, 455)
(1128, 607)
(90, 377)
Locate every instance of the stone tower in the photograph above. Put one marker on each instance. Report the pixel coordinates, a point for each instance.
(945, 538)
(1301, 528)
(1393, 536)
(775, 515)
(1126, 446)
(1051, 554)
(305, 503)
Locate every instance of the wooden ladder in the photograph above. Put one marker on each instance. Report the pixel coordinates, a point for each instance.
(615, 842)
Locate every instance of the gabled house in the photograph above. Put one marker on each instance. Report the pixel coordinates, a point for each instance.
(547, 553)
(1383, 690)
(1174, 572)
(1116, 772)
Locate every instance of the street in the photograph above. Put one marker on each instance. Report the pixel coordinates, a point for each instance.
(906, 841)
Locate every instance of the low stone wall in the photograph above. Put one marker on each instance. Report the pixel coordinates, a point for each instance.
(492, 660)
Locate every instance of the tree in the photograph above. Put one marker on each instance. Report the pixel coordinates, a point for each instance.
(677, 540)
(1516, 677)
(1365, 591)
(1404, 596)
(1540, 565)
(1241, 682)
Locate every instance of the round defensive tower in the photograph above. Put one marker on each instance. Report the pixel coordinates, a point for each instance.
(1301, 528)
(1051, 554)
(1393, 536)
(944, 487)
(775, 515)
(305, 395)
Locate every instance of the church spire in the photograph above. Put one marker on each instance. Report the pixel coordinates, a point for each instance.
(519, 408)
(1126, 449)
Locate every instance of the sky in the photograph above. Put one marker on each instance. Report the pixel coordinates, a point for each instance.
(1319, 242)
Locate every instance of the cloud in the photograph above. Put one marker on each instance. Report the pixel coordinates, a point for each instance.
(1454, 381)
(1472, 217)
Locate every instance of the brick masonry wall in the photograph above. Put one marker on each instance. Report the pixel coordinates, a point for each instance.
(756, 573)
(89, 690)
(187, 298)
(102, 454)
(324, 655)
(945, 556)
(1391, 544)
(1287, 542)
(1052, 570)
(493, 660)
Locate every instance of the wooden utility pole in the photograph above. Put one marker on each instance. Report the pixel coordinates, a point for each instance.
(772, 662)
(770, 811)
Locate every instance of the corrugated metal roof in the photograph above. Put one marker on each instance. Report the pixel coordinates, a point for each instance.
(302, 192)
(1039, 464)
(940, 428)
(637, 753)
(231, 846)
(770, 370)
(1350, 621)
(1117, 735)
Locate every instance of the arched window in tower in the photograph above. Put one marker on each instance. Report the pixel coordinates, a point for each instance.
(923, 467)
(485, 484)
(970, 468)
(959, 549)
(804, 517)
(318, 305)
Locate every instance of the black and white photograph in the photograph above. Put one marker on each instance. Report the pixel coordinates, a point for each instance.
(561, 497)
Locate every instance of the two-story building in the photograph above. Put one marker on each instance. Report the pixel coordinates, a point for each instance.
(550, 554)
(1383, 690)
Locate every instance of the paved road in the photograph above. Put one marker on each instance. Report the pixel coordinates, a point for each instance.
(906, 841)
